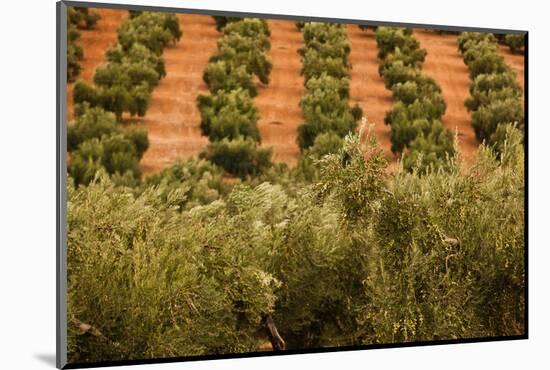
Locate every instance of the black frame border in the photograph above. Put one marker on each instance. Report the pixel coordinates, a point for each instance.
(61, 178)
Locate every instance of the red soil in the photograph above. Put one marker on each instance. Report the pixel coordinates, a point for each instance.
(367, 87)
(173, 118)
(95, 43)
(516, 61)
(278, 102)
(444, 63)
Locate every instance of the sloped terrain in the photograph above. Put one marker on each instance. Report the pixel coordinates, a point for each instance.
(367, 87)
(95, 43)
(516, 61)
(173, 118)
(444, 63)
(278, 102)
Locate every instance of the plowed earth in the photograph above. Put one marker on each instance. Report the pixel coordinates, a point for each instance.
(173, 119)
(95, 43)
(279, 101)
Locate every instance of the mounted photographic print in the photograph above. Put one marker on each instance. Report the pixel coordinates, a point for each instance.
(235, 184)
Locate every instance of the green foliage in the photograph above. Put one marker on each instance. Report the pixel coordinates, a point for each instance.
(89, 124)
(357, 112)
(240, 156)
(419, 105)
(249, 27)
(166, 284)
(505, 136)
(239, 50)
(221, 22)
(481, 54)
(390, 39)
(77, 18)
(326, 51)
(126, 75)
(116, 153)
(326, 109)
(397, 73)
(430, 108)
(515, 42)
(495, 94)
(359, 257)
(82, 17)
(84, 93)
(491, 62)
(200, 181)
(74, 55)
(139, 137)
(481, 98)
(405, 130)
(466, 39)
(242, 46)
(334, 47)
(410, 58)
(96, 140)
(314, 65)
(113, 98)
(475, 50)
(326, 77)
(338, 87)
(228, 114)
(430, 150)
(445, 251)
(495, 81)
(137, 54)
(324, 33)
(487, 118)
(324, 144)
(86, 161)
(417, 88)
(134, 66)
(134, 13)
(154, 30)
(185, 264)
(221, 75)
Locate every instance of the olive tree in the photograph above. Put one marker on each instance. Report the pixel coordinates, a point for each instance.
(240, 157)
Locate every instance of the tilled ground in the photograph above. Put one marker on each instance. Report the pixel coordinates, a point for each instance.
(95, 43)
(367, 87)
(173, 119)
(278, 102)
(516, 61)
(445, 64)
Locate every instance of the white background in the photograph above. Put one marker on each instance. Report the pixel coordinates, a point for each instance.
(27, 182)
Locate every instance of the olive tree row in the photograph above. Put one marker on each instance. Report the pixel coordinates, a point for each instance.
(134, 66)
(514, 41)
(96, 139)
(362, 257)
(495, 95)
(77, 18)
(415, 118)
(325, 67)
(228, 114)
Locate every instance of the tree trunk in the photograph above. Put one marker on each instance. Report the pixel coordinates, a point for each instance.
(277, 342)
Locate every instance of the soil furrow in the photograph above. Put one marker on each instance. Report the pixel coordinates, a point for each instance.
(445, 64)
(173, 119)
(367, 87)
(95, 43)
(278, 102)
(516, 61)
